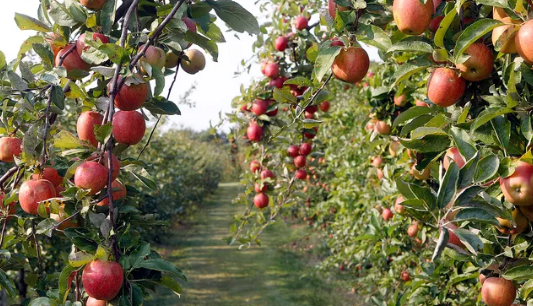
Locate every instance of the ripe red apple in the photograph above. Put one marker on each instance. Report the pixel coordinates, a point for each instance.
(258, 188)
(267, 174)
(293, 151)
(301, 23)
(271, 70)
(102, 280)
(131, 96)
(261, 200)
(380, 174)
(128, 127)
(421, 103)
(479, 65)
(523, 40)
(387, 214)
(311, 134)
(91, 175)
(498, 291)
(445, 87)
(94, 5)
(324, 106)
(435, 23)
(398, 207)
(274, 112)
(406, 276)
(281, 43)
(300, 161)
(255, 166)
(154, 56)
(518, 187)
(34, 191)
(377, 161)
(196, 61)
(116, 165)
(455, 155)
(72, 61)
(9, 148)
(412, 231)
(306, 148)
(94, 302)
(277, 82)
(400, 100)
(259, 107)
(411, 16)
(254, 132)
(452, 238)
(301, 174)
(80, 43)
(50, 174)
(382, 127)
(85, 126)
(351, 65)
(120, 193)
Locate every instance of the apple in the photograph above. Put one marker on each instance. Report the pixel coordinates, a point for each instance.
(274, 112)
(154, 56)
(309, 115)
(259, 107)
(72, 61)
(254, 132)
(311, 109)
(171, 60)
(332, 6)
(128, 127)
(400, 100)
(50, 174)
(91, 175)
(351, 65)
(261, 200)
(518, 187)
(523, 40)
(34, 191)
(282, 43)
(398, 207)
(421, 103)
(422, 176)
(382, 128)
(393, 148)
(387, 214)
(445, 87)
(94, 302)
(267, 174)
(196, 61)
(452, 238)
(191, 26)
(380, 174)
(255, 166)
(412, 231)
(377, 161)
(80, 43)
(85, 126)
(482, 278)
(94, 5)
(522, 223)
(479, 65)
(453, 154)
(102, 280)
(435, 23)
(411, 16)
(301, 174)
(310, 134)
(300, 161)
(277, 82)
(131, 96)
(120, 193)
(504, 36)
(61, 217)
(406, 276)
(9, 148)
(271, 70)
(301, 23)
(306, 148)
(324, 106)
(498, 291)
(293, 151)
(116, 165)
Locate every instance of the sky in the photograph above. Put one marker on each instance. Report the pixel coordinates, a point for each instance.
(216, 85)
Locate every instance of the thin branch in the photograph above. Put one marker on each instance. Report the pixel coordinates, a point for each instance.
(64, 56)
(46, 129)
(310, 27)
(37, 250)
(7, 176)
(3, 232)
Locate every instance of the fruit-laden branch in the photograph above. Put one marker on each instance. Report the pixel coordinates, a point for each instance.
(160, 116)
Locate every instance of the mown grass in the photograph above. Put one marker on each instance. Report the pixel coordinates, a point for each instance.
(220, 275)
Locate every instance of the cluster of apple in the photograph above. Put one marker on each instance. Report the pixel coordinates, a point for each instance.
(266, 177)
(299, 154)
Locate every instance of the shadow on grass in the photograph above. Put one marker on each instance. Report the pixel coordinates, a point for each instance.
(221, 275)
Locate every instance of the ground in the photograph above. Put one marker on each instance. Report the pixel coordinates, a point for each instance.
(278, 273)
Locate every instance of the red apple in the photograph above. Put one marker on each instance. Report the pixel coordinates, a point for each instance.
(455, 155)
(452, 238)
(382, 127)
(254, 132)
(523, 40)
(406, 276)
(91, 175)
(128, 127)
(277, 82)
(400, 100)
(301, 174)
(72, 61)
(116, 165)
(80, 43)
(85, 126)
(94, 302)
(94, 5)
(311, 109)
(377, 161)
(332, 6)
(518, 187)
(421, 103)
(435, 23)
(274, 112)
(120, 193)
(445, 87)
(281, 43)
(306, 148)
(267, 174)
(255, 166)
(259, 107)
(324, 106)
(271, 70)
(498, 291)
(301, 23)
(293, 151)
(479, 65)
(412, 231)
(300, 161)
(387, 214)
(311, 134)
(131, 96)
(9, 148)
(411, 16)
(398, 207)
(261, 200)
(102, 280)
(34, 191)
(351, 65)
(50, 174)
(380, 174)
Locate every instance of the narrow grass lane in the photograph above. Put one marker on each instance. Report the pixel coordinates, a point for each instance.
(221, 275)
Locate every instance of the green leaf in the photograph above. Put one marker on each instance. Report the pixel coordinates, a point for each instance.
(476, 215)
(63, 282)
(374, 36)
(448, 186)
(58, 97)
(107, 16)
(325, 58)
(7, 284)
(469, 239)
(412, 44)
(284, 95)
(526, 289)
(427, 140)
(441, 244)
(489, 114)
(25, 22)
(61, 15)
(464, 142)
(142, 175)
(487, 168)
(116, 53)
(207, 44)
(66, 140)
(520, 273)
(162, 266)
(406, 70)
(472, 33)
(443, 28)
(235, 16)
(103, 132)
(411, 113)
(41, 301)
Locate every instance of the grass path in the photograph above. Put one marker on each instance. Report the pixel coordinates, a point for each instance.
(221, 275)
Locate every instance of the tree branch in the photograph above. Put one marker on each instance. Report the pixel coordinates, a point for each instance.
(37, 250)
